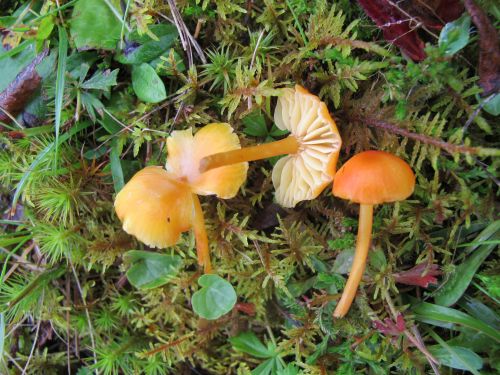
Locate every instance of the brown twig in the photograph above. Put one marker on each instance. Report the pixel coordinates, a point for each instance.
(392, 128)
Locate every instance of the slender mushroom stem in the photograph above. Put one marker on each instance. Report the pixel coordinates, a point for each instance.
(200, 235)
(289, 145)
(359, 262)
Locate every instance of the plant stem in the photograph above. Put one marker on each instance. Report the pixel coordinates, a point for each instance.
(289, 145)
(200, 235)
(359, 262)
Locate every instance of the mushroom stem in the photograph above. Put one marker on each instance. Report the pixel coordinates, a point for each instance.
(200, 235)
(359, 262)
(289, 145)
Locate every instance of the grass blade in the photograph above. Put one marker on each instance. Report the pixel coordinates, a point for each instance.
(432, 314)
(454, 287)
(116, 167)
(61, 71)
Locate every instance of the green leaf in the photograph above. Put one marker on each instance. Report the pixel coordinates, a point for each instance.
(455, 356)
(142, 49)
(93, 25)
(249, 343)
(455, 286)
(343, 262)
(435, 314)
(271, 366)
(147, 85)
(255, 124)
(216, 297)
(60, 79)
(101, 80)
(455, 35)
(493, 105)
(151, 270)
(12, 66)
(116, 167)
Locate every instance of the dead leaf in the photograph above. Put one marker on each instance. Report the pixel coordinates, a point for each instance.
(489, 50)
(15, 97)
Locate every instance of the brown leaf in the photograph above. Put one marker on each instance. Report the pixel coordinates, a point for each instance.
(15, 97)
(489, 54)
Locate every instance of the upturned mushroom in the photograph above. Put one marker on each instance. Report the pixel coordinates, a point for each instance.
(158, 204)
(369, 178)
(312, 148)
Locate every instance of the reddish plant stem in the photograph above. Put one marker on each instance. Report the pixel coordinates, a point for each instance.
(449, 147)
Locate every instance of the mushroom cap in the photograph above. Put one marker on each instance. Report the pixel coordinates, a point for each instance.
(185, 152)
(304, 175)
(374, 177)
(154, 207)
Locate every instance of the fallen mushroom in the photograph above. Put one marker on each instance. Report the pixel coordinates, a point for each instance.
(158, 204)
(312, 147)
(369, 178)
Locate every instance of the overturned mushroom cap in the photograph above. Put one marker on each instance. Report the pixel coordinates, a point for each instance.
(304, 175)
(374, 177)
(154, 207)
(185, 152)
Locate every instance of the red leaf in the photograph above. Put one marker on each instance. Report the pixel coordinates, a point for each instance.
(489, 50)
(395, 26)
(421, 275)
(449, 10)
(389, 328)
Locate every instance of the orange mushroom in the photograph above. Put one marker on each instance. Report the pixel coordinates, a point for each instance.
(369, 178)
(157, 205)
(312, 147)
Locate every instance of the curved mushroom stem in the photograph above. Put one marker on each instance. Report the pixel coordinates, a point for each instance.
(359, 262)
(200, 235)
(289, 145)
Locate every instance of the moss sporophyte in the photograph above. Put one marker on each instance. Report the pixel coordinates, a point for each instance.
(158, 204)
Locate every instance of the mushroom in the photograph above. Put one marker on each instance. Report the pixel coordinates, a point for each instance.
(369, 178)
(312, 147)
(158, 204)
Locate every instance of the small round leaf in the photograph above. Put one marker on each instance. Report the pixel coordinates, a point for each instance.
(151, 270)
(147, 85)
(216, 297)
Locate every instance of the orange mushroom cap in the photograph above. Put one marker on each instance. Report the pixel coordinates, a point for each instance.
(304, 175)
(154, 207)
(374, 177)
(185, 152)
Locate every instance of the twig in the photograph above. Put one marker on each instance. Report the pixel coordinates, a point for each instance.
(68, 305)
(449, 147)
(187, 40)
(36, 335)
(476, 112)
(91, 329)
(419, 344)
(21, 260)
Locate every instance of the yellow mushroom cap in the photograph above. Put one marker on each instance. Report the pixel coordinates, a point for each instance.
(154, 207)
(304, 175)
(374, 177)
(185, 152)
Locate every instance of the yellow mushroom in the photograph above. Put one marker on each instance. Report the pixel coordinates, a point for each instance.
(312, 148)
(158, 204)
